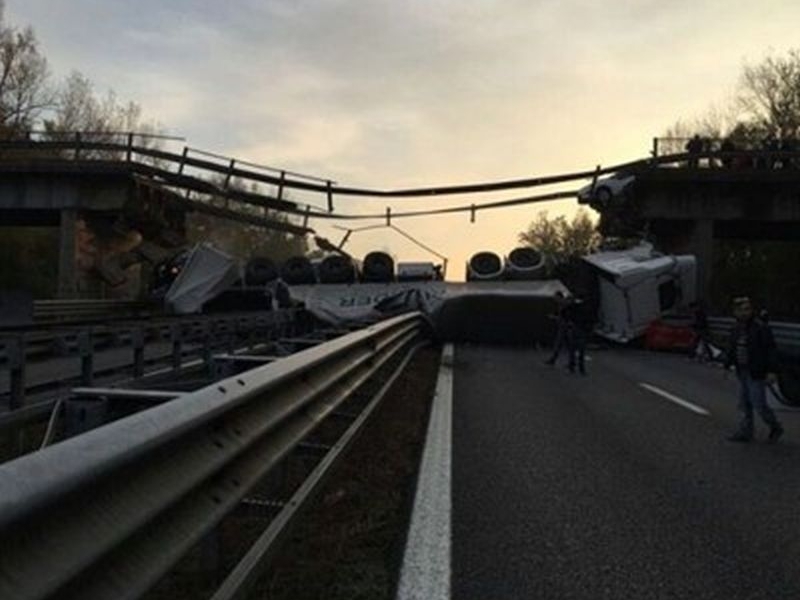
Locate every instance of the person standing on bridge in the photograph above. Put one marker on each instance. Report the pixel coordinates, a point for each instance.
(694, 147)
(751, 350)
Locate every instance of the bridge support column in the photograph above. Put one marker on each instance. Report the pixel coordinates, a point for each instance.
(701, 244)
(68, 254)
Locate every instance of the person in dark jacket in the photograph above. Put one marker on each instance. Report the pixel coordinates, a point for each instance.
(562, 334)
(701, 349)
(752, 352)
(581, 321)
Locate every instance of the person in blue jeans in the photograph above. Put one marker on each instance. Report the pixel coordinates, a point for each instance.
(581, 322)
(752, 352)
(561, 341)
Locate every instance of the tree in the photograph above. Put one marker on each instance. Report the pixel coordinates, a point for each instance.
(766, 104)
(24, 90)
(78, 108)
(769, 94)
(243, 240)
(562, 239)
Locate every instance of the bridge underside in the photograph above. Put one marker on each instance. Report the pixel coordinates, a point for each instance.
(105, 224)
(706, 211)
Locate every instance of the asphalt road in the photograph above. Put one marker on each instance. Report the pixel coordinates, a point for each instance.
(595, 487)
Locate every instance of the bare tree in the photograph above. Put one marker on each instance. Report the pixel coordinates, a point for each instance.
(766, 104)
(769, 94)
(24, 90)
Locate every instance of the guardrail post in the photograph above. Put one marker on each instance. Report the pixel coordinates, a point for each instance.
(137, 339)
(176, 334)
(183, 159)
(129, 153)
(77, 145)
(655, 147)
(229, 174)
(208, 356)
(330, 196)
(280, 185)
(16, 363)
(86, 351)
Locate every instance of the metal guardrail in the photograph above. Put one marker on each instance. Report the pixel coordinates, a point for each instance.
(202, 332)
(107, 513)
(60, 311)
(787, 335)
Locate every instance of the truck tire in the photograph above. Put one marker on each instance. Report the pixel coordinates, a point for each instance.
(789, 383)
(378, 267)
(259, 271)
(298, 270)
(337, 269)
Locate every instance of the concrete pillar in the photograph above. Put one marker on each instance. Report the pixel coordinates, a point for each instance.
(68, 254)
(701, 244)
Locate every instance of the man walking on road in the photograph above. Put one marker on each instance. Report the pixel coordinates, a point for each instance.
(751, 350)
(561, 342)
(580, 327)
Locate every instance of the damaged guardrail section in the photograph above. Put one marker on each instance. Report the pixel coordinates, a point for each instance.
(107, 513)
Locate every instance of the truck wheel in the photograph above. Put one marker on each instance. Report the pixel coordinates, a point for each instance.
(603, 196)
(789, 383)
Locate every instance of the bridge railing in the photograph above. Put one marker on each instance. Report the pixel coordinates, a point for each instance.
(729, 153)
(106, 514)
(238, 189)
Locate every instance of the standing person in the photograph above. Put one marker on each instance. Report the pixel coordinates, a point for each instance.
(751, 350)
(701, 348)
(561, 341)
(580, 327)
(694, 147)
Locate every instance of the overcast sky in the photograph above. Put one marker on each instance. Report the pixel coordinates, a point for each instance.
(388, 93)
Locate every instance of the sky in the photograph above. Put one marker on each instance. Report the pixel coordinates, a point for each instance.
(400, 93)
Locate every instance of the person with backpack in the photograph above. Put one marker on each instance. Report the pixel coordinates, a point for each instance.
(752, 352)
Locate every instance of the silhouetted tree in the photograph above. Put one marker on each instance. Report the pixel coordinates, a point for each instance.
(24, 90)
(561, 238)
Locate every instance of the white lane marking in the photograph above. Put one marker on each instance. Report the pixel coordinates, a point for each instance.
(425, 574)
(673, 398)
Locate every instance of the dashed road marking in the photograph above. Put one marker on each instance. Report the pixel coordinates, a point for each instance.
(673, 398)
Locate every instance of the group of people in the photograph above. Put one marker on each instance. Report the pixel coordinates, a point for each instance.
(770, 153)
(574, 324)
(751, 352)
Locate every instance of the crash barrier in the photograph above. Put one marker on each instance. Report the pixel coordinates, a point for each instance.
(195, 335)
(107, 513)
(787, 340)
(64, 311)
(196, 172)
(787, 335)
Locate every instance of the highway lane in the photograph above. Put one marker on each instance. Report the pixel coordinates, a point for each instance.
(595, 487)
